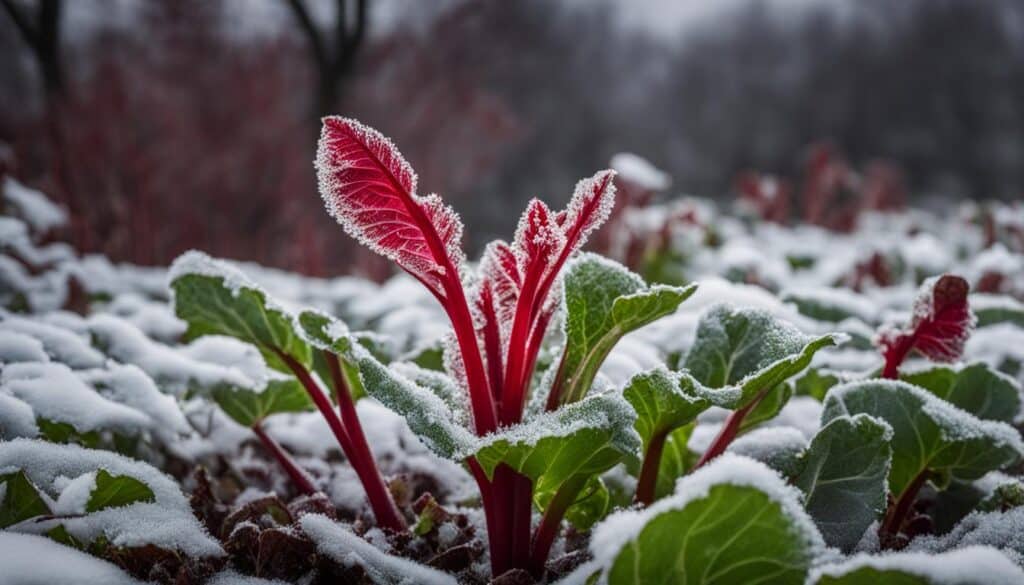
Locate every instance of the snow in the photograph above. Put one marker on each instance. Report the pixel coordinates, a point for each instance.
(40, 213)
(973, 565)
(337, 542)
(155, 319)
(766, 443)
(638, 170)
(615, 532)
(60, 344)
(229, 577)
(128, 385)
(839, 298)
(955, 424)
(169, 367)
(36, 560)
(55, 393)
(18, 347)
(17, 419)
(167, 522)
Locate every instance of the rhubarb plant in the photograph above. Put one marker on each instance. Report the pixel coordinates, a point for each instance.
(500, 318)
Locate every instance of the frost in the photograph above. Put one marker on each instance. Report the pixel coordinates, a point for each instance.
(974, 565)
(1002, 530)
(341, 545)
(167, 522)
(638, 170)
(36, 560)
(617, 530)
(765, 444)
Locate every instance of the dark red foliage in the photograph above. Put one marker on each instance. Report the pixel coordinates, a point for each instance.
(939, 326)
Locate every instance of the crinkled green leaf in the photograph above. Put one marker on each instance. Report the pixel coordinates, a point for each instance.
(603, 302)
(229, 305)
(114, 491)
(844, 477)
(831, 305)
(745, 351)
(248, 407)
(928, 433)
(768, 407)
(664, 401)
(733, 521)
(567, 446)
(976, 388)
(21, 500)
(781, 448)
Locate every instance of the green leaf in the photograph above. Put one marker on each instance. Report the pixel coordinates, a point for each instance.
(21, 500)
(248, 407)
(749, 350)
(995, 309)
(115, 491)
(976, 388)
(732, 521)
(571, 444)
(844, 477)
(214, 298)
(768, 407)
(831, 305)
(780, 448)
(976, 565)
(664, 401)
(676, 461)
(603, 302)
(815, 382)
(62, 432)
(60, 534)
(928, 433)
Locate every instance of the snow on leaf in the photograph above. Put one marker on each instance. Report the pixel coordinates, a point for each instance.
(706, 530)
(977, 388)
(974, 565)
(603, 302)
(371, 191)
(928, 432)
(22, 558)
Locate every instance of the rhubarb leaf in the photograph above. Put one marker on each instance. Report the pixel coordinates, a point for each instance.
(571, 444)
(426, 406)
(20, 499)
(844, 477)
(929, 434)
(976, 388)
(940, 323)
(732, 521)
(248, 407)
(215, 298)
(115, 491)
(370, 189)
(603, 302)
(664, 401)
(748, 351)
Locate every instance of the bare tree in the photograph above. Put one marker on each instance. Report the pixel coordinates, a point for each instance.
(40, 29)
(335, 56)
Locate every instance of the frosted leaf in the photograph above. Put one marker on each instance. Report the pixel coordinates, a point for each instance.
(776, 447)
(1002, 530)
(619, 533)
(538, 239)
(940, 323)
(37, 560)
(370, 189)
(337, 542)
(975, 565)
(591, 203)
(167, 522)
(831, 304)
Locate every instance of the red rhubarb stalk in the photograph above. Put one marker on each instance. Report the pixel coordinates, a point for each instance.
(299, 477)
